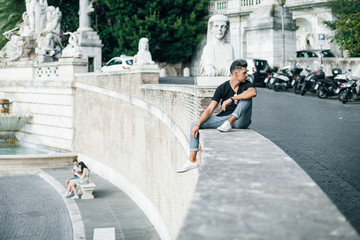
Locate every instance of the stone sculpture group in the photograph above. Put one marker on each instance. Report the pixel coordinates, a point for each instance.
(38, 36)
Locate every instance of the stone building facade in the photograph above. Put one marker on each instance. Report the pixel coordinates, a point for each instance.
(308, 15)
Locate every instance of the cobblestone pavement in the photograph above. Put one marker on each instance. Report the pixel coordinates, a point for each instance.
(31, 209)
(322, 136)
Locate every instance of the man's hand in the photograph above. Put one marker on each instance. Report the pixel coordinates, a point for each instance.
(195, 131)
(225, 104)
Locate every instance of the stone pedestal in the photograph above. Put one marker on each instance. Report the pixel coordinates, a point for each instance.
(146, 67)
(264, 34)
(90, 48)
(149, 73)
(210, 81)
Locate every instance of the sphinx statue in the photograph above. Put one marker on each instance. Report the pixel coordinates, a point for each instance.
(218, 53)
(143, 56)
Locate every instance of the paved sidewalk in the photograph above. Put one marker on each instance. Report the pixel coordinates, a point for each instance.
(31, 209)
(111, 208)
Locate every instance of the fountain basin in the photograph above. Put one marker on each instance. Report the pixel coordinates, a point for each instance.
(49, 160)
(11, 123)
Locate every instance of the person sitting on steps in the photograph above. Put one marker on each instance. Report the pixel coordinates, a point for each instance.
(236, 97)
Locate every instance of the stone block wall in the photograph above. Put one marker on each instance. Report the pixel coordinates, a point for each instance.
(46, 92)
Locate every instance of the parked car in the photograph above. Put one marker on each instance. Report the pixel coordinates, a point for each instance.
(118, 64)
(257, 70)
(314, 53)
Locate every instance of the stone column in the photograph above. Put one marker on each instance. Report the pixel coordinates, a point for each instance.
(89, 41)
(84, 15)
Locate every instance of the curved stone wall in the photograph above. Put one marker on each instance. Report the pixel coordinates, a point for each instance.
(248, 188)
(135, 135)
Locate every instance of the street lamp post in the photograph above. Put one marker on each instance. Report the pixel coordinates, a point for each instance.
(282, 3)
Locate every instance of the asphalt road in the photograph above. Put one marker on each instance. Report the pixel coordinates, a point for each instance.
(322, 136)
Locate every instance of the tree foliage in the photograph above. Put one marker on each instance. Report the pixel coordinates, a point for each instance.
(10, 15)
(346, 24)
(173, 27)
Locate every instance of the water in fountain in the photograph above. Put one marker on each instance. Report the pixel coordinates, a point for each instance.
(10, 123)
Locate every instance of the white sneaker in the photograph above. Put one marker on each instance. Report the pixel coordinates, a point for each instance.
(67, 194)
(225, 127)
(75, 197)
(188, 166)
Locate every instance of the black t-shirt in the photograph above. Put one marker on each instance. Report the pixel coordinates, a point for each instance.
(224, 92)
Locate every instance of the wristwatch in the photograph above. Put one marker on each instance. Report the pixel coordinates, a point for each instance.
(231, 99)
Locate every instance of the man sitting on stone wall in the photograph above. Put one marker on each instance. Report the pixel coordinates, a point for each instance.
(235, 96)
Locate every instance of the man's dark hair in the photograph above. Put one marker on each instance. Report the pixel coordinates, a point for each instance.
(238, 64)
(75, 160)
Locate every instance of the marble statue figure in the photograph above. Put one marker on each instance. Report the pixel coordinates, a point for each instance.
(73, 47)
(36, 11)
(25, 28)
(13, 48)
(305, 39)
(49, 42)
(143, 56)
(218, 54)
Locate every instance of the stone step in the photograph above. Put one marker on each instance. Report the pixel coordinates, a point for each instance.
(37, 160)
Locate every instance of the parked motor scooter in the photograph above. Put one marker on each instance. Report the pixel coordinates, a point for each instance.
(349, 91)
(328, 86)
(268, 81)
(287, 78)
(310, 80)
(297, 83)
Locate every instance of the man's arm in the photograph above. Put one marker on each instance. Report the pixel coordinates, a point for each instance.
(248, 94)
(204, 116)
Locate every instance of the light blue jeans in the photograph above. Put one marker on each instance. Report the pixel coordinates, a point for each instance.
(242, 112)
